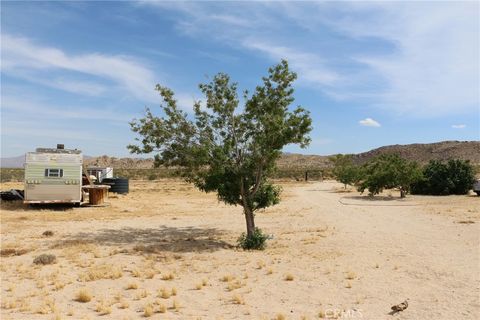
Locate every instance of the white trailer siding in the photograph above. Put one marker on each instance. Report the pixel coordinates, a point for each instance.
(53, 177)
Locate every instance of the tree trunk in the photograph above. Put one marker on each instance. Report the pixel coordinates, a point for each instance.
(402, 193)
(249, 218)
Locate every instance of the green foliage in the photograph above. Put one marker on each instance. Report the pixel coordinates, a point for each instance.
(389, 171)
(440, 178)
(226, 149)
(256, 241)
(344, 170)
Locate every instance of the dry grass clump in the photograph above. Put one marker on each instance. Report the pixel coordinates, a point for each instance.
(45, 258)
(168, 276)
(233, 285)
(148, 310)
(260, 264)
(132, 286)
(83, 295)
(47, 306)
(150, 273)
(11, 287)
(227, 278)
(350, 275)
(238, 299)
(8, 252)
(142, 294)
(9, 304)
(176, 305)
(174, 291)
(280, 316)
(103, 308)
(164, 293)
(136, 273)
(104, 271)
(270, 271)
(161, 308)
(348, 285)
(202, 284)
(123, 304)
(57, 285)
(289, 277)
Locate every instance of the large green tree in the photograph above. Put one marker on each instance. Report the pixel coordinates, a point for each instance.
(344, 169)
(225, 148)
(442, 178)
(389, 171)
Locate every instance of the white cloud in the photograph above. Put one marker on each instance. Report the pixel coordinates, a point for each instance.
(433, 67)
(421, 58)
(459, 126)
(21, 55)
(369, 122)
(22, 107)
(310, 67)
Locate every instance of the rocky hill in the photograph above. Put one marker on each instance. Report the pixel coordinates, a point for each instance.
(422, 153)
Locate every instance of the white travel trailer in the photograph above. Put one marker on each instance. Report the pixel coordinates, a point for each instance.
(53, 176)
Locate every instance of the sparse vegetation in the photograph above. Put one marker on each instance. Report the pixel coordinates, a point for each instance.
(83, 295)
(103, 271)
(44, 259)
(148, 310)
(289, 277)
(168, 276)
(132, 286)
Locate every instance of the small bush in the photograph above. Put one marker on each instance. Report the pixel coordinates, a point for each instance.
(48, 233)
(83, 295)
(257, 241)
(45, 259)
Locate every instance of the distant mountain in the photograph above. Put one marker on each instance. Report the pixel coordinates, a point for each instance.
(18, 162)
(13, 162)
(422, 153)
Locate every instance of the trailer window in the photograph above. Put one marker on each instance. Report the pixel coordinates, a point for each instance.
(54, 173)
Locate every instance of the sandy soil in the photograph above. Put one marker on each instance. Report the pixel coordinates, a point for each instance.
(168, 251)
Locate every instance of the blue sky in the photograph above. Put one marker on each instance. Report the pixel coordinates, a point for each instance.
(371, 73)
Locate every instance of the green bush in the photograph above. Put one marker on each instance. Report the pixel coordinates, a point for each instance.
(388, 171)
(440, 178)
(256, 241)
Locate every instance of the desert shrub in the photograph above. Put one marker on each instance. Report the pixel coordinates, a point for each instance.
(12, 252)
(152, 176)
(256, 241)
(444, 178)
(45, 259)
(47, 233)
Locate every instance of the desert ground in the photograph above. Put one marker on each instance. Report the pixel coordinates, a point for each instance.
(167, 251)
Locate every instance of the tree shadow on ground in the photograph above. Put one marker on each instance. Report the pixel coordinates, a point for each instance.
(18, 205)
(161, 239)
(374, 198)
